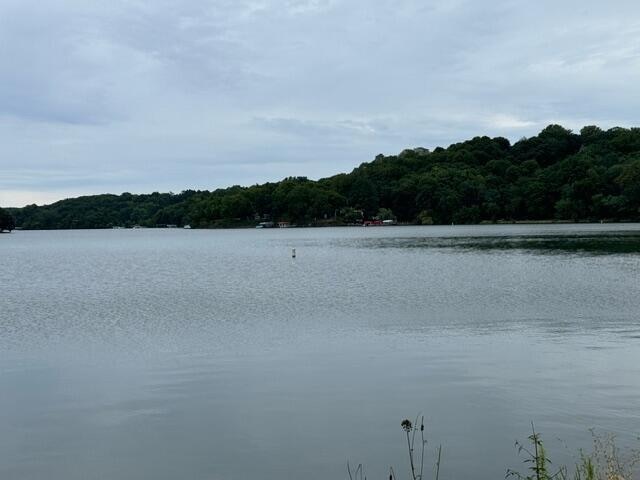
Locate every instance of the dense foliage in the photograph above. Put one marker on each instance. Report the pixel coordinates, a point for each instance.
(7, 222)
(593, 175)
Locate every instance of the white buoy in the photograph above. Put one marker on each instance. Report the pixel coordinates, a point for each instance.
(293, 253)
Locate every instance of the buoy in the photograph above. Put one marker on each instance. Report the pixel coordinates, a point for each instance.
(293, 253)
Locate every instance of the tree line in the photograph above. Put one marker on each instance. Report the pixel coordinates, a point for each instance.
(592, 175)
(7, 222)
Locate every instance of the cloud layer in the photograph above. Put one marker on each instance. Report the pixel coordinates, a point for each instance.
(141, 96)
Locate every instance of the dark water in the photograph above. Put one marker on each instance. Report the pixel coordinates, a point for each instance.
(172, 354)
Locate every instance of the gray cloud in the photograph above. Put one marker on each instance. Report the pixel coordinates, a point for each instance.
(142, 96)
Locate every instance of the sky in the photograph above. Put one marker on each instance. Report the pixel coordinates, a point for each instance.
(165, 95)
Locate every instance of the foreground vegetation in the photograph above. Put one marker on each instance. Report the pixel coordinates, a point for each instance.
(590, 176)
(605, 462)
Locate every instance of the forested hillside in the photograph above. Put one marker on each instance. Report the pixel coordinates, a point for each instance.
(593, 175)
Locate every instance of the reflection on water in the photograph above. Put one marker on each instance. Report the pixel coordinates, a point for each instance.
(603, 243)
(212, 354)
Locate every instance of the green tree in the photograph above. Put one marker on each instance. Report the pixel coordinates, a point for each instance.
(7, 222)
(385, 214)
(629, 182)
(350, 215)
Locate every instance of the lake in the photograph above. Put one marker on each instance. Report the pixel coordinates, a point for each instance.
(202, 354)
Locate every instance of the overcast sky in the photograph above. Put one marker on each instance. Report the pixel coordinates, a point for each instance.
(139, 96)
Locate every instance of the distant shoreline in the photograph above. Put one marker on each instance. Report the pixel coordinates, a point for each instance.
(250, 227)
(590, 176)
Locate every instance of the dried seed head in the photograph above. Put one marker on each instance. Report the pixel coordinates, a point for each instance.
(406, 425)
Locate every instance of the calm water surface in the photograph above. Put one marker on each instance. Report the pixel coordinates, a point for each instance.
(174, 354)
